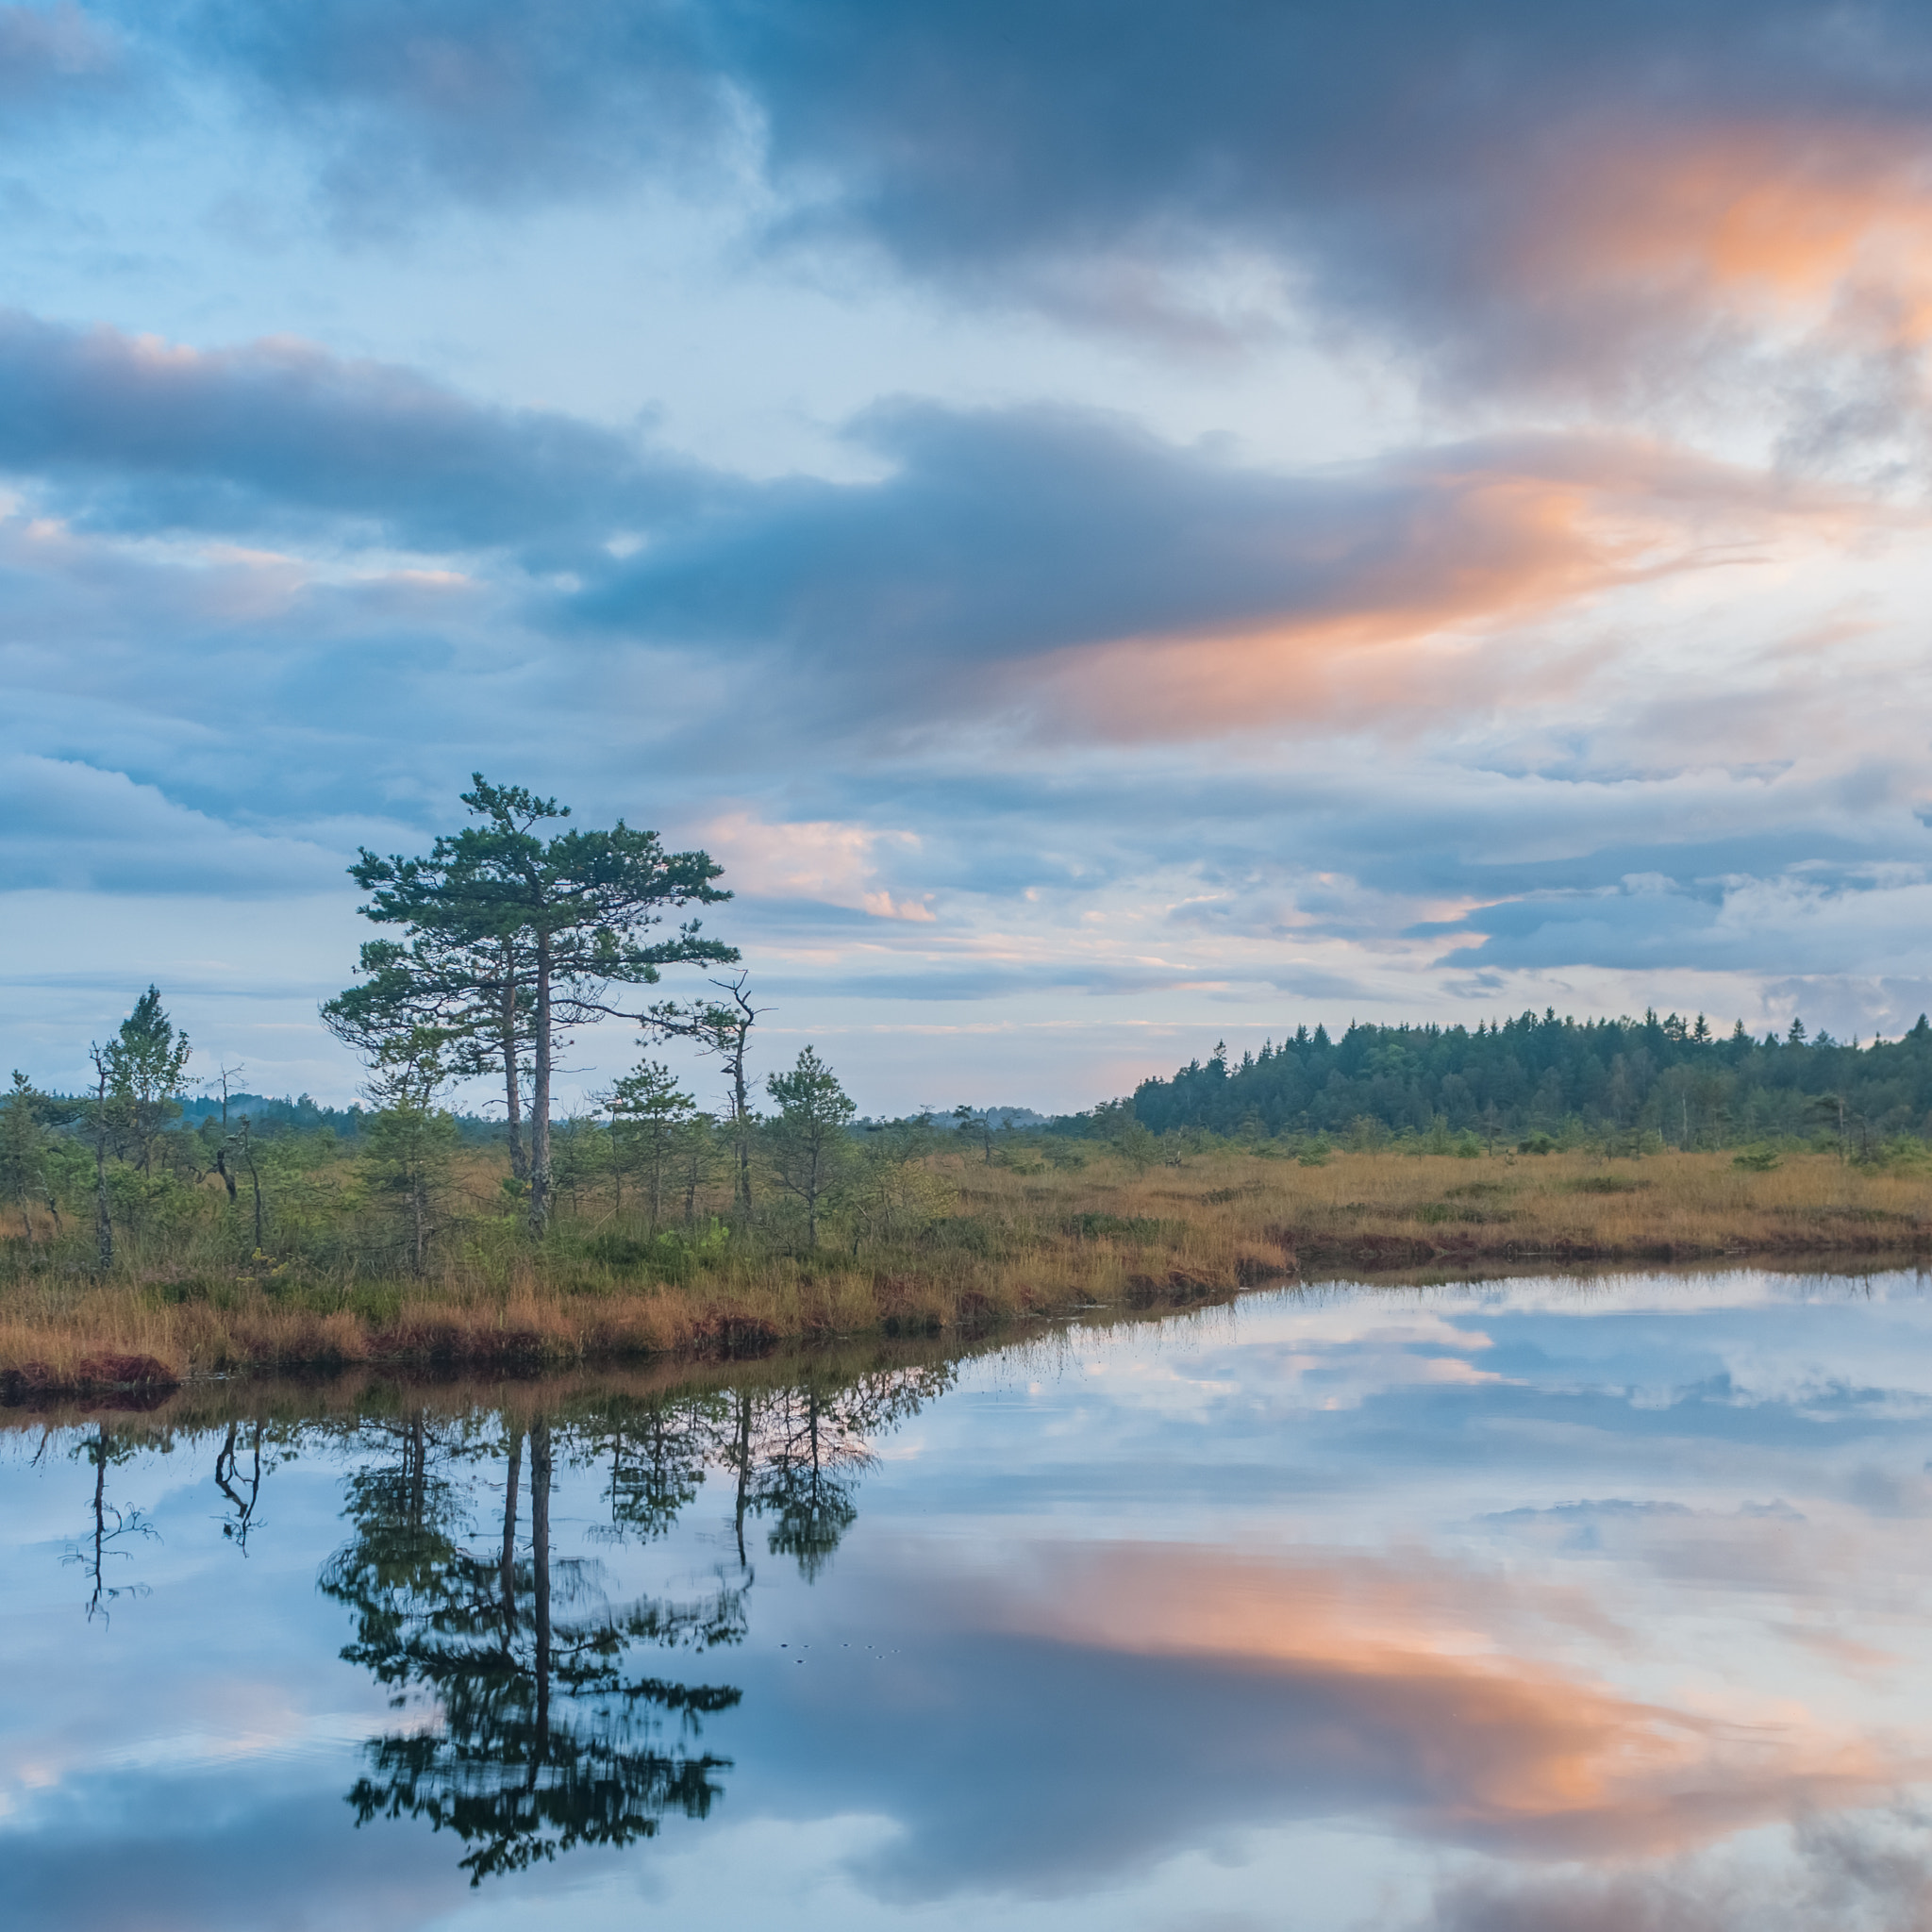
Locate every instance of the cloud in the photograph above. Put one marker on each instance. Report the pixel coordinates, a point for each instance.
(67, 824)
(830, 863)
(482, 100)
(1610, 205)
(58, 57)
(1061, 569)
(1517, 196)
(1068, 563)
(1871, 1871)
(1806, 923)
(136, 434)
(1396, 1689)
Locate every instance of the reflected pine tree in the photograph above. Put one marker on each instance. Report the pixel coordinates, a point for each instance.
(813, 1455)
(656, 1453)
(544, 1737)
(799, 1454)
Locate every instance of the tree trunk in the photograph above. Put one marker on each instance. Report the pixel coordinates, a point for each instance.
(100, 1514)
(512, 1095)
(539, 1537)
(744, 1465)
(507, 1574)
(416, 1221)
(811, 1192)
(742, 1121)
(539, 1098)
(416, 1453)
(254, 1177)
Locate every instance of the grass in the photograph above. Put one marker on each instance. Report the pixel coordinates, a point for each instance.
(1014, 1246)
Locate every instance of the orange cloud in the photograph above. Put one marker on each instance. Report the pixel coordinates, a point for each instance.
(1755, 211)
(1422, 1668)
(824, 859)
(1502, 538)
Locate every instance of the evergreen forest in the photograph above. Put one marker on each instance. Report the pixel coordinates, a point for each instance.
(1661, 1082)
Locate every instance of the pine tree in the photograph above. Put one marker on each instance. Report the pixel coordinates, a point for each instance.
(22, 1152)
(574, 905)
(809, 1146)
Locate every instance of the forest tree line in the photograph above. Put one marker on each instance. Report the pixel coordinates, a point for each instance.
(1669, 1082)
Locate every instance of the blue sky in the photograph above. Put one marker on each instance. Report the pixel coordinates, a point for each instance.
(1120, 525)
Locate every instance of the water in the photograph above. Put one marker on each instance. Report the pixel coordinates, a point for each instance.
(1530, 1606)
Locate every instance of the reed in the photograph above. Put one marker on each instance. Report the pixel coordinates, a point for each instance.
(1013, 1244)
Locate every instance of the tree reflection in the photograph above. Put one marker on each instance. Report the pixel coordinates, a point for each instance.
(242, 1488)
(798, 1458)
(655, 1454)
(545, 1737)
(112, 1525)
(548, 1732)
(813, 1452)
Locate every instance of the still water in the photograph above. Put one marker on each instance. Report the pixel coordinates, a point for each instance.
(1536, 1605)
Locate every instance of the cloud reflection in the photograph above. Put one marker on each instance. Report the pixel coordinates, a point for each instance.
(1103, 1710)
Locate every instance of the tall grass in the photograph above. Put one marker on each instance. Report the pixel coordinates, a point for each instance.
(1013, 1240)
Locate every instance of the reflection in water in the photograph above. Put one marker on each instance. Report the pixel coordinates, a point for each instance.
(243, 1491)
(114, 1527)
(543, 1736)
(1537, 1608)
(547, 1731)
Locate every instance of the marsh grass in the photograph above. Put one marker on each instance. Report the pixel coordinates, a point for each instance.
(1026, 1239)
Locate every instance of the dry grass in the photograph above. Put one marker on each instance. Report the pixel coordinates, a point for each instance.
(1018, 1245)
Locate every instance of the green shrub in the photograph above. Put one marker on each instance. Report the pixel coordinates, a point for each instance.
(1112, 1227)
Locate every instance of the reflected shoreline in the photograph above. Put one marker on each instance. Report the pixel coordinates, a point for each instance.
(213, 1400)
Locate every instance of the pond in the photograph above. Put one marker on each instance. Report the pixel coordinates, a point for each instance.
(1539, 1603)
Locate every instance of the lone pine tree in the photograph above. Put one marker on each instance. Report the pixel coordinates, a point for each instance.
(564, 915)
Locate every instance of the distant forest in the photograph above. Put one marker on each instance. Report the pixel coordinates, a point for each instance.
(301, 1115)
(1669, 1080)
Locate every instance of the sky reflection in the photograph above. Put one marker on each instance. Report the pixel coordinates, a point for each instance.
(1544, 1605)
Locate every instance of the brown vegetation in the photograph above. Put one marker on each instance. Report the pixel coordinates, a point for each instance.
(1019, 1241)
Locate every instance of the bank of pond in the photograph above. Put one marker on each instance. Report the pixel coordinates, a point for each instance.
(964, 1246)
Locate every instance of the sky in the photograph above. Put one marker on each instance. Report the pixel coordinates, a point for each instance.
(1118, 525)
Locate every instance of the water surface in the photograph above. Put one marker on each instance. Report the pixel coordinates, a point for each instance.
(1535, 1605)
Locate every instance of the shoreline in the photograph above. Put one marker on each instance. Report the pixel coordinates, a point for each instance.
(140, 1384)
(1105, 1240)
